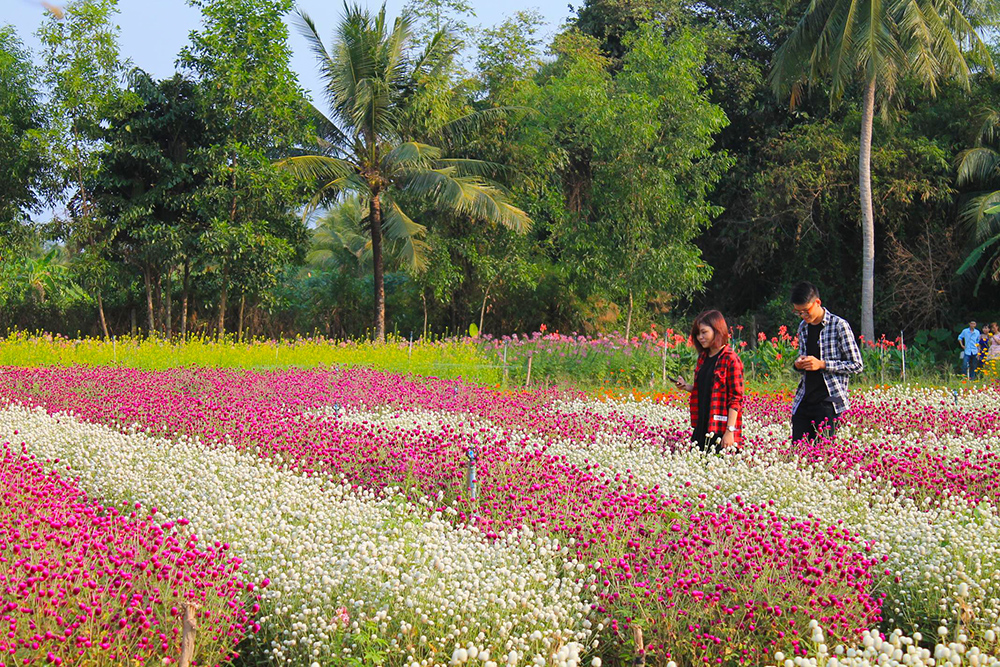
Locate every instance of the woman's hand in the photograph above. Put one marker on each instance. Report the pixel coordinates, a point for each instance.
(728, 439)
(681, 383)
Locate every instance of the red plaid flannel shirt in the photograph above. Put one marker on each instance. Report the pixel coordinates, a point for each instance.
(727, 392)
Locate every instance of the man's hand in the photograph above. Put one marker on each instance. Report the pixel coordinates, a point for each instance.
(810, 364)
(728, 439)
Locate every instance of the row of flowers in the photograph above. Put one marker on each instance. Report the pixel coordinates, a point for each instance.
(341, 573)
(83, 583)
(699, 578)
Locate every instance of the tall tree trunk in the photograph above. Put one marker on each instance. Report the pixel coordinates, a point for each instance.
(168, 303)
(221, 328)
(482, 310)
(158, 300)
(150, 317)
(375, 220)
(131, 318)
(239, 326)
(100, 315)
(423, 297)
(628, 319)
(184, 298)
(867, 215)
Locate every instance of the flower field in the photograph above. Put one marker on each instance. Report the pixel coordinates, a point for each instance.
(356, 517)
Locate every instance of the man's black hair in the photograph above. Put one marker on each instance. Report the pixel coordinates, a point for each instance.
(803, 293)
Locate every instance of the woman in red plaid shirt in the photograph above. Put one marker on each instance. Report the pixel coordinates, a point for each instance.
(717, 392)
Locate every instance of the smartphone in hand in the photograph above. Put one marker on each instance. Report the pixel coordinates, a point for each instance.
(679, 381)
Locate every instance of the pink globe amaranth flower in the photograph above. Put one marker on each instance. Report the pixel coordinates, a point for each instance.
(83, 568)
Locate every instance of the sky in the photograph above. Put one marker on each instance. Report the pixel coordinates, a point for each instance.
(153, 31)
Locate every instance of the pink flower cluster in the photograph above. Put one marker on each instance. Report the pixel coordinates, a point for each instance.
(80, 581)
(739, 575)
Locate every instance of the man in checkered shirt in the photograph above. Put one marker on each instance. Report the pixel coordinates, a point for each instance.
(828, 355)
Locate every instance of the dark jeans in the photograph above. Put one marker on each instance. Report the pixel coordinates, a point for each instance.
(970, 364)
(810, 421)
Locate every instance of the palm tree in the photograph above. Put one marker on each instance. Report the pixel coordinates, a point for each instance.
(370, 76)
(341, 242)
(979, 168)
(878, 44)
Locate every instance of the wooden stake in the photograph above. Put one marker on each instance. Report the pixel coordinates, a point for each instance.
(527, 381)
(640, 648)
(187, 636)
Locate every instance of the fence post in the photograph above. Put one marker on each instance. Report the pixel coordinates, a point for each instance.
(190, 627)
(505, 360)
(114, 349)
(902, 350)
(471, 473)
(527, 380)
(664, 363)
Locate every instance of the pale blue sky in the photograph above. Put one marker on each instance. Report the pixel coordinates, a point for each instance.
(153, 31)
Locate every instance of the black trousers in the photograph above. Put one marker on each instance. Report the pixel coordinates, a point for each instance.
(810, 421)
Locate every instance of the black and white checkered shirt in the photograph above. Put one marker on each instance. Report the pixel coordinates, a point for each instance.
(839, 349)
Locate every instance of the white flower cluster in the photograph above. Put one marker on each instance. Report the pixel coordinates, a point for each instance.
(351, 574)
(896, 650)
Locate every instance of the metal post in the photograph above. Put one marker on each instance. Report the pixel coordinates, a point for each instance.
(409, 354)
(505, 360)
(471, 473)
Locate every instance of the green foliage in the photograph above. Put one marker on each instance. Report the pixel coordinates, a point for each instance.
(635, 152)
(24, 170)
(241, 56)
(83, 71)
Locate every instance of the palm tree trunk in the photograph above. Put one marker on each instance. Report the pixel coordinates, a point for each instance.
(184, 298)
(100, 315)
(221, 328)
(867, 215)
(375, 220)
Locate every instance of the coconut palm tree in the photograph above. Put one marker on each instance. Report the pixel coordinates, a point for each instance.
(370, 76)
(877, 44)
(979, 168)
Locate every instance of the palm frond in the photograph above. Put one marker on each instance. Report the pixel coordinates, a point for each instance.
(410, 155)
(458, 130)
(318, 168)
(467, 195)
(404, 234)
(989, 121)
(843, 61)
(979, 165)
(973, 214)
